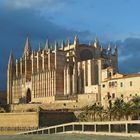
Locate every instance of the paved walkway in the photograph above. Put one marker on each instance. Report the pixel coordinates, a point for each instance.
(65, 137)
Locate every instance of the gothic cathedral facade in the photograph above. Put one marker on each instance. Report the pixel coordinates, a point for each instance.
(55, 73)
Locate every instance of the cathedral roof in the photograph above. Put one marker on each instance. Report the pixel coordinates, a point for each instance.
(123, 76)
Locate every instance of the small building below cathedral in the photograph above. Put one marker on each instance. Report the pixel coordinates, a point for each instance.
(124, 86)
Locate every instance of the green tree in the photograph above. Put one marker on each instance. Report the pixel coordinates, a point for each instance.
(93, 111)
(127, 109)
(110, 110)
(82, 117)
(117, 109)
(100, 111)
(136, 107)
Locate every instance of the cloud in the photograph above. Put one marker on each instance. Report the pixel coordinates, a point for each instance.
(136, 35)
(129, 56)
(19, 19)
(17, 24)
(52, 5)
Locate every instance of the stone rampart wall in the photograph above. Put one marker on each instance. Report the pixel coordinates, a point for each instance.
(34, 120)
(23, 120)
(50, 118)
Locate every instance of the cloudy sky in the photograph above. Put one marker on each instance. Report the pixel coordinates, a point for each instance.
(115, 21)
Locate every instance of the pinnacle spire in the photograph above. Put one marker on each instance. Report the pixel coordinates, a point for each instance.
(89, 43)
(47, 46)
(27, 49)
(68, 42)
(11, 58)
(96, 39)
(76, 40)
(101, 47)
(109, 47)
(116, 50)
(11, 61)
(62, 44)
(96, 43)
(55, 45)
(39, 46)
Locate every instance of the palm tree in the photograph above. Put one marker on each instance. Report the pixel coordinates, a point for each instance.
(127, 109)
(93, 111)
(110, 110)
(136, 106)
(117, 108)
(85, 109)
(100, 110)
(82, 117)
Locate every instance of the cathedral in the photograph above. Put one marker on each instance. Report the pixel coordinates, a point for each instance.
(59, 72)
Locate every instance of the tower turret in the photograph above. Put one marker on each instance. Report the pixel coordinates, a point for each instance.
(55, 45)
(76, 40)
(47, 46)
(56, 53)
(10, 75)
(116, 50)
(11, 61)
(68, 42)
(101, 48)
(39, 46)
(109, 49)
(62, 44)
(96, 43)
(27, 49)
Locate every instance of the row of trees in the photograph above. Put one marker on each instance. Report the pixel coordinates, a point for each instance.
(117, 110)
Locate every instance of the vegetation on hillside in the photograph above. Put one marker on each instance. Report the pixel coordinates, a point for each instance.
(117, 110)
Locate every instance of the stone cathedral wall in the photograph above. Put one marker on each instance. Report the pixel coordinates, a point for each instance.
(74, 69)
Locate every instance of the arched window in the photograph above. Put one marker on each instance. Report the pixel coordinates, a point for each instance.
(28, 96)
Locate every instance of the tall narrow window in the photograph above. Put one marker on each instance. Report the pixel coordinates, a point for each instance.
(121, 84)
(113, 95)
(110, 84)
(108, 95)
(113, 84)
(130, 83)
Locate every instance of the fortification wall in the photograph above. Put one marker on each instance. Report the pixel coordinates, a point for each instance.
(81, 101)
(50, 118)
(86, 99)
(24, 120)
(44, 99)
(33, 120)
(24, 107)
